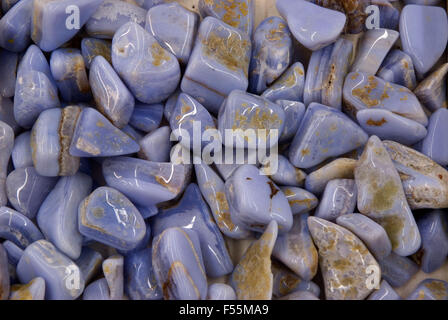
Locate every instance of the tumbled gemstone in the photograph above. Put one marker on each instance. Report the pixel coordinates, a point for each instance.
(252, 278)
(107, 216)
(61, 275)
(390, 126)
(220, 291)
(299, 200)
(432, 91)
(289, 86)
(17, 228)
(15, 27)
(381, 198)
(398, 68)
(326, 73)
(430, 289)
(339, 198)
(95, 136)
(192, 213)
(296, 249)
(424, 45)
(6, 147)
(97, 290)
(254, 201)
(146, 117)
(50, 141)
(371, 233)
(284, 173)
(271, 53)
(150, 72)
(33, 290)
(397, 270)
(13, 251)
(324, 132)
(238, 14)
(8, 70)
(89, 263)
(58, 214)
(170, 104)
(156, 145)
(294, 112)
(389, 14)
(4, 274)
(434, 145)
(7, 113)
(218, 64)
(113, 272)
(363, 91)
(385, 292)
(54, 22)
(174, 27)
(91, 48)
(146, 182)
(178, 265)
(344, 261)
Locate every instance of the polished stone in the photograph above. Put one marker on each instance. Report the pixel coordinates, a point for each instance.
(21, 152)
(6, 147)
(89, 263)
(7, 112)
(432, 90)
(13, 251)
(113, 272)
(430, 289)
(339, 198)
(289, 86)
(220, 291)
(398, 68)
(385, 292)
(33, 290)
(97, 290)
(15, 27)
(8, 69)
(300, 200)
(156, 145)
(294, 112)
(4, 274)
(91, 48)
(284, 173)
(434, 145)
(17, 228)
(146, 117)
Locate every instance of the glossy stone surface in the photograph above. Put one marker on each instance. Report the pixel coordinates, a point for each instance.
(113, 272)
(284, 173)
(343, 260)
(145, 182)
(434, 231)
(220, 291)
(178, 265)
(389, 13)
(238, 14)
(430, 289)
(374, 47)
(296, 249)
(339, 198)
(107, 216)
(424, 45)
(174, 27)
(363, 91)
(26, 190)
(255, 201)
(112, 97)
(140, 282)
(305, 22)
(326, 73)
(294, 112)
(390, 126)
(371, 233)
(17, 228)
(13, 251)
(97, 290)
(58, 214)
(385, 292)
(149, 71)
(300, 200)
(289, 86)
(50, 140)
(8, 69)
(146, 117)
(4, 274)
(156, 145)
(15, 27)
(42, 259)
(271, 53)
(21, 152)
(425, 183)
(33, 290)
(192, 213)
(6, 146)
(324, 132)
(95, 136)
(434, 145)
(91, 47)
(111, 15)
(7, 112)
(213, 190)
(397, 270)
(218, 64)
(432, 91)
(89, 263)
(381, 198)
(252, 278)
(398, 68)
(50, 27)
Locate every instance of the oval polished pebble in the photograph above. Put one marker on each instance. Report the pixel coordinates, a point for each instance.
(17, 228)
(397, 270)
(339, 198)
(220, 291)
(33, 290)
(21, 152)
(89, 263)
(294, 111)
(107, 216)
(289, 86)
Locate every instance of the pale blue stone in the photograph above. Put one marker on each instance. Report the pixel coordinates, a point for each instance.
(397, 270)
(174, 27)
(33, 290)
(434, 145)
(371, 233)
(339, 198)
(15, 27)
(112, 97)
(170, 104)
(178, 265)
(432, 90)
(114, 274)
(294, 112)
(26, 190)
(148, 4)
(34, 60)
(254, 200)
(385, 292)
(42, 259)
(107, 216)
(148, 211)
(150, 72)
(7, 113)
(390, 126)
(284, 173)
(6, 146)
(145, 182)
(156, 145)
(14, 252)
(271, 53)
(430, 289)
(311, 32)
(91, 48)
(326, 74)
(17, 228)
(424, 45)
(323, 133)
(220, 291)
(21, 153)
(398, 68)
(300, 200)
(8, 69)
(146, 117)
(95, 136)
(52, 26)
(4, 274)
(289, 86)
(111, 15)
(218, 64)
(8, 4)
(192, 213)
(89, 263)
(97, 290)
(58, 214)
(389, 13)
(133, 133)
